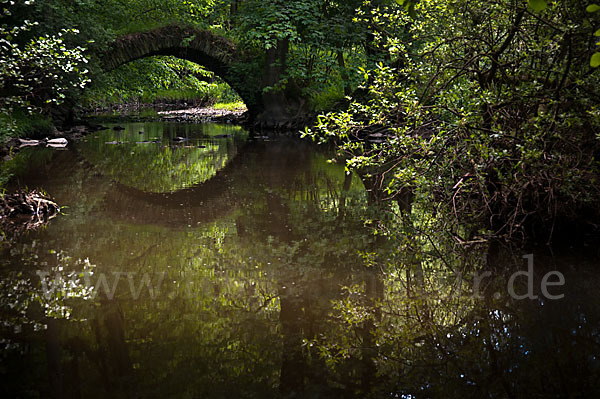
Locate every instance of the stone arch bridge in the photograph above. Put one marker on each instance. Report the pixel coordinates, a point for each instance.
(248, 74)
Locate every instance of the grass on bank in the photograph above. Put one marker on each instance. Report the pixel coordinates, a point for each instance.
(22, 124)
(230, 106)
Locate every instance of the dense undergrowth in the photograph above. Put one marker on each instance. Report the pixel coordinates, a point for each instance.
(494, 121)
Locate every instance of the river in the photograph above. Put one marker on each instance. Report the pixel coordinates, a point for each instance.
(195, 261)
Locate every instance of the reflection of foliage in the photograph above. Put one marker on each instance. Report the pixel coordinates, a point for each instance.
(286, 283)
(23, 161)
(217, 318)
(422, 338)
(160, 167)
(27, 298)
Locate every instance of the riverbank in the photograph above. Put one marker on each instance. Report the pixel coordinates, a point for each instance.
(229, 113)
(236, 115)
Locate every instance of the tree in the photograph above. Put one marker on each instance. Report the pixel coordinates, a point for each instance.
(36, 72)
(595, 60)
(479, 105)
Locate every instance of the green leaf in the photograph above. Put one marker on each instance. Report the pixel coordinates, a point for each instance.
(597, 33)
(595, 61)
(592, 8)
(538, 5)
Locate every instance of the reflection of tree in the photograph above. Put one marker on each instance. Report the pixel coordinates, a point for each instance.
(161, 166)
(219, 320)
(26, 159)
(288, 293)
(441, 345)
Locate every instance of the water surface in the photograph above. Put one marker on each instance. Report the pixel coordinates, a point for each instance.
(223, 266)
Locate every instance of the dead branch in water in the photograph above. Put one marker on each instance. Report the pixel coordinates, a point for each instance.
(26, 210)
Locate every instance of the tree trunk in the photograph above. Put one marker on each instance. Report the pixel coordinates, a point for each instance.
(282, 102)
(274, 100)
(344, 73)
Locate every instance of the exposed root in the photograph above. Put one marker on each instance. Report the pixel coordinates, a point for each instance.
(26, 210)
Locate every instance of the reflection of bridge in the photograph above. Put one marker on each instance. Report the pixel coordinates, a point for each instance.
(270, 164)
(260, 172)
